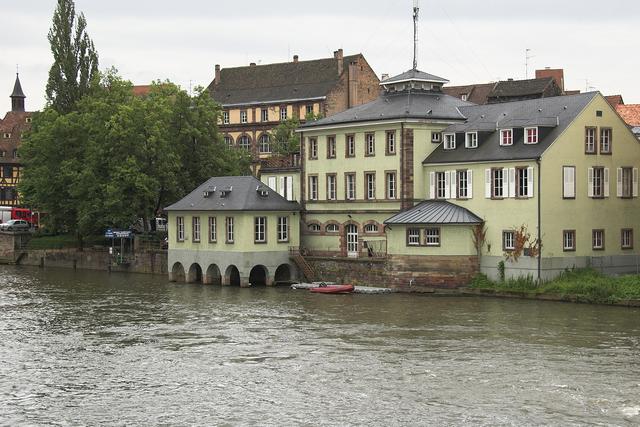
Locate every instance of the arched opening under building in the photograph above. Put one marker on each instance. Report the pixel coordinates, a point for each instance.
(258, 276)
(213, 276)
(283, 274)
(232, 276)
(195, 274)
(177, 273)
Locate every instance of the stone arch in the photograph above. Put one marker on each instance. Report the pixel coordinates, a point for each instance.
(195, 273)
(332, 223)
(177, 273)
(310, 225)
(259, 276)
(213, 276)
(370, 223)
(228, 140)
(232, 276)
(283, 273)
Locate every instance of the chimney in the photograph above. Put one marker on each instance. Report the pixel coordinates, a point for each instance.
(295, 59)
(353, 84)
(510, 79)
(384, 76)
(557, 74)
(339, 56)
(216, 79)
(252, 64)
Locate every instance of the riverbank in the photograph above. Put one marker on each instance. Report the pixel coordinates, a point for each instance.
(582, 286)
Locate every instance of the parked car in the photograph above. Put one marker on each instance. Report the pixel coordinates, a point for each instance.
(15, 225)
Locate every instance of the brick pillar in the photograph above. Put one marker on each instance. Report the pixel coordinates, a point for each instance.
(406, 172)
(244, 282)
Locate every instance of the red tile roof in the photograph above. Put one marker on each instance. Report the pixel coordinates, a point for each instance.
(630, 113)
(614, 100)
(141, 90)
(14, 124)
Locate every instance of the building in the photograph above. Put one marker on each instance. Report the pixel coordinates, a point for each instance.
(256, 98)
(15, 123)
(630, 113)
(232, 231)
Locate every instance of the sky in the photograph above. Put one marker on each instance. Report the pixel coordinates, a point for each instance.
(464, 41)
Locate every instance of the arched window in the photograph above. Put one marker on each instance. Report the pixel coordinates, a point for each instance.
(371, 228)
(264, 144)
(228, 141)
(332, 228)
(315, 228)
(244, 142)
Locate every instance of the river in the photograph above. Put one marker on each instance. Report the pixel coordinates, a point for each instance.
(89, 348)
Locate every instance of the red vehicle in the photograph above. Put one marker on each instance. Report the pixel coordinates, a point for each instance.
(10, 212)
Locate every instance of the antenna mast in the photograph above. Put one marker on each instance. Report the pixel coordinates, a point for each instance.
(527, 57)
(416, 9)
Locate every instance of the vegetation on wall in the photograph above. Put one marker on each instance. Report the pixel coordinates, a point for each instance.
(524, 244)
(286, 140)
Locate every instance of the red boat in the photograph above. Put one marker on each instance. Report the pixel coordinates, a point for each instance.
(333, 289)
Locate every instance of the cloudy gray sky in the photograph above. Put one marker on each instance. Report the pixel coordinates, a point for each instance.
(466, 41)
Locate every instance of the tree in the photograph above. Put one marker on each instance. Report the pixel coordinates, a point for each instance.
(285, 139)
(75, 60)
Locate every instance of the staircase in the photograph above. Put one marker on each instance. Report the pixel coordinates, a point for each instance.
(306, 268)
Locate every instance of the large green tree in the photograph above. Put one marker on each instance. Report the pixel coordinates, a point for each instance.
(75, 60)
(119, 157)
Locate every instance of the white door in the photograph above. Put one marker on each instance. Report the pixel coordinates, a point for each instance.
(352, 241)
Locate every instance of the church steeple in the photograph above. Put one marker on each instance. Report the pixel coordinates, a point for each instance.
(17, 97)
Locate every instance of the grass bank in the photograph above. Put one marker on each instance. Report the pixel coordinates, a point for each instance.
(585, 285)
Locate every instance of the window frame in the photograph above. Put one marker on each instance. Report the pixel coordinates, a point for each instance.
(313, 187)
(347, 188)
(522, 182)
(244, 117)
(388, 187)
(436, 137)
(564, 168)
(350, 145)
(261, 144)
(441, 185)
(449, 141)
(413, 233)
(369, 144)
(195, 229)
(390, 143)
(566, 233)
(332, 181)
(259, 229)
(505, 234)
(370, 185)
(609, 138)
(494, 180)
(594, 233)
(506, 141)
(474, 140)
(180, 229)
(622, 238)
(371, 228)
(283, 113)
(427, 236)
(536, 135)
(588, 143)
(213, 229)
(247, 138)
(331, 147)
(229, 229)
(337, 230)
(460, 173)
(598, 171)
(264, 114)
(225, 117)
(313, 148)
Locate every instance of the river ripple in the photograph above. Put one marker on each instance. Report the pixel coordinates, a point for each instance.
(88, 348)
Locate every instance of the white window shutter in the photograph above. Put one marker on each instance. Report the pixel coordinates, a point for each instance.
(590, 182)
(635, 182)
(446, 185)
(565, 182)
(487, 183)
(454, 185)
(606, 182)
(512, 182)
(619, 182)
(290, 188)
(281, 187)
(530, 181)
(469, 183)
(432, 185)
(272, 183)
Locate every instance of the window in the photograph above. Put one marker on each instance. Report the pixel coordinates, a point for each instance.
(391, 185)
(531, 135)
(413, 237)
(264, 144)
(590, 140)
(243, 116)
(597, 239)
(28, 120)
(522, 182)
(598, 182)
(464, 184)
(506, 137)
(625, 187)
(283, 113)
(7, 135)
(432, 236)
(371, 228)
(195, 228)
(283, 229)
(569, 240)
(350, 146)
(225, 117)
(508, 240)
(331, 186)
(332, 228)
(471, 140)
(313, 187)
(497, 187)
(605, 140)
(350, 187)
(442, 185)
(229, 222)
(626, 238)
(568, 182)
(391, 142)
(286, 187)
(370, 144)
(15, 154)
(313, 148)
(260, 229)
(331, 147)
(3, 153)
(180, 228)
(314, 228)
(464, 96)
(310, 109)
(244, 142)
(228, 141)
(449, 141)
(436, 137)
(370, 182)
(213, 229)
(264, 115)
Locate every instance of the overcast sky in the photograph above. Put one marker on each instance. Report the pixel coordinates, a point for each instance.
(465, 41)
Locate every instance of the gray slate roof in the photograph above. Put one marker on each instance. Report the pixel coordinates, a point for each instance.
(435, 212)
(516, 88)
(416, 75)
(552, 116)
(278, 82)
(242, 197)
(17, 89)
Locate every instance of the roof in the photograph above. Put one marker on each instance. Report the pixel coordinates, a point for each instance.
(244, 195)
(279, 163)
(435, 212)
(414, 75)
(552, 115)
(504, 90)
(399, 105)
(614, 100)
(520, 88)
(17, 89)
(14, 123)
(141, 90)
(630, 113)
(477, 93)
(278, 82)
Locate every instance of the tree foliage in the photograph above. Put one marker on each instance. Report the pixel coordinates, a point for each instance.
(75, 63)
(119, 157)
(285, 139)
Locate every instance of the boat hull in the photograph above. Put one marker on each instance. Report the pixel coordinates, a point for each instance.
(333, 289)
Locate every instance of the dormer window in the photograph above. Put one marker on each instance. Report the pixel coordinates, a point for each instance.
(262, 191)
(464, 96)
(531, 135)
(471, 140)
(208, 192)
(225, 193)
(28, 119)
(6, 135)
(449, 141)
(506, 137)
